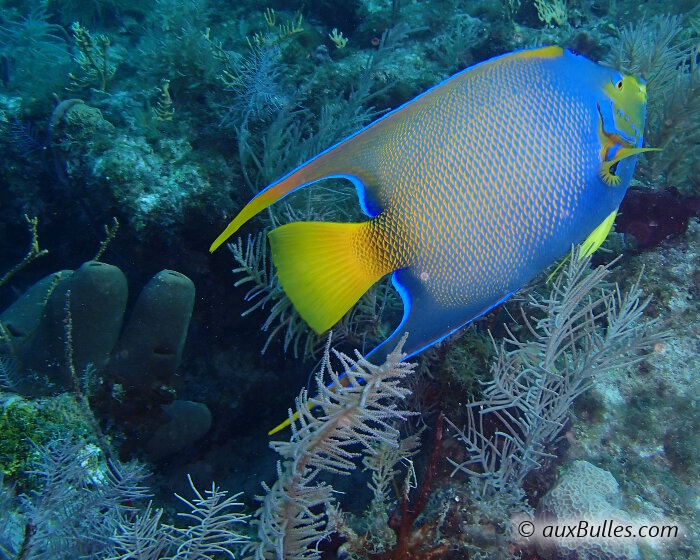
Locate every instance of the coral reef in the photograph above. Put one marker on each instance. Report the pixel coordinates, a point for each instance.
(65, 334)
(535, 382)
(651, 217)
(168, 115)
(584, 492)
(26, 424)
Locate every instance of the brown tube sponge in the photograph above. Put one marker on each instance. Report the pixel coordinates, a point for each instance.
(98, 299)
(149, 350)
(37, 323)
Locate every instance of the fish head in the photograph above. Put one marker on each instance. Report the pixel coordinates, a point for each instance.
(627, 98)
(622, 102)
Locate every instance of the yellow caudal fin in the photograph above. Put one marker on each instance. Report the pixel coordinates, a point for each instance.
(322, 270)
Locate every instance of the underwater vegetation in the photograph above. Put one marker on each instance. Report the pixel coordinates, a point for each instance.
(139, 376)
(657, 51)
(362, 419)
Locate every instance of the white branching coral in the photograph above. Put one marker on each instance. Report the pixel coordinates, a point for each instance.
(585, 329)
(355, 417)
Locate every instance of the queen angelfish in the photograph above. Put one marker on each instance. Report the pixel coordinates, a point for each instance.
(472, 189)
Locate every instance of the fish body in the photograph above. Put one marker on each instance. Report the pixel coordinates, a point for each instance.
(472, 189)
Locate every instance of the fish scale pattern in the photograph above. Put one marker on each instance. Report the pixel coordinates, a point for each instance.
(473, 188)
(474, 198)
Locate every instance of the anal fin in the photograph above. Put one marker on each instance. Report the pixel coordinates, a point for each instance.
(426, 322)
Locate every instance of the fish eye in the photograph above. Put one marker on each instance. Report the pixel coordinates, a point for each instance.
(616, 80)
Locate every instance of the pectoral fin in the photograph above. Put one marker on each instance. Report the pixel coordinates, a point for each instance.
(591, 244)
(608, 167)
(597, 236)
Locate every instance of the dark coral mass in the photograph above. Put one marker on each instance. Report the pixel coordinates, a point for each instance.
(652, 217)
